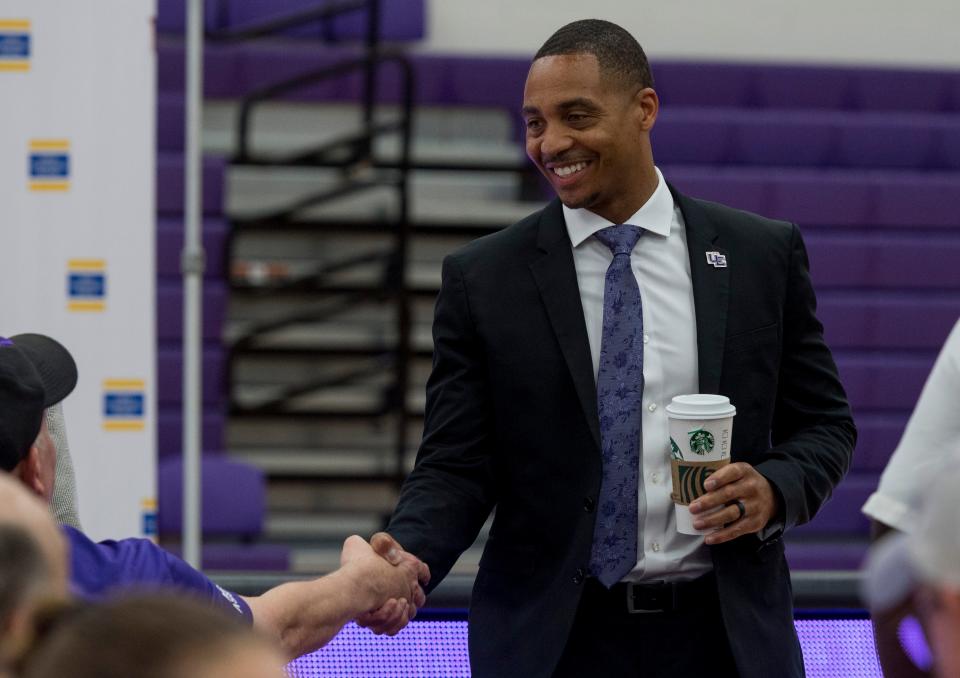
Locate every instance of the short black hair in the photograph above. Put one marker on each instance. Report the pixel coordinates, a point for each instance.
(618, 53)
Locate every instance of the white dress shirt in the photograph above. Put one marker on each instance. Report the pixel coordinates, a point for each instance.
(662, 268)
(930, 445)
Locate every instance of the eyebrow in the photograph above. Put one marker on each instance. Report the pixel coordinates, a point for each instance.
(577, 102)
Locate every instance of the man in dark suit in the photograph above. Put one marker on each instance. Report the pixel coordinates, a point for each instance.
(558, 344)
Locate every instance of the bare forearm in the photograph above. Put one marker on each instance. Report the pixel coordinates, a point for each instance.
(304, 616)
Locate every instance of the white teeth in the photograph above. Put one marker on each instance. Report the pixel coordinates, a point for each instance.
(567, 170)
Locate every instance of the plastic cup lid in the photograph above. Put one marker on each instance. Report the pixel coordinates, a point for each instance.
(701, 406)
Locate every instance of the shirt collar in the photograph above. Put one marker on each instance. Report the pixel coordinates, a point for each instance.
(655, 216)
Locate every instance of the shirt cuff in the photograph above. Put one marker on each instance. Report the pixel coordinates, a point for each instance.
(889, 511)
(772, 528)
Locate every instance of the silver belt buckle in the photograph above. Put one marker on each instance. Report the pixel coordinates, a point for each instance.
(630, 608)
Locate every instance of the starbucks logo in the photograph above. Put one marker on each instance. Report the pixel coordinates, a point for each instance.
(675, 450)
(701, 441)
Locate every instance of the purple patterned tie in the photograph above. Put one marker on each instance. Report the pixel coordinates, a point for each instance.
(619, 395)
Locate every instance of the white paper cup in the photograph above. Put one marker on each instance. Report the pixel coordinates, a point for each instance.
(701, 430)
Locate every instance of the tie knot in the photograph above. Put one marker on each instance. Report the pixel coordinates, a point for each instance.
(620, 238)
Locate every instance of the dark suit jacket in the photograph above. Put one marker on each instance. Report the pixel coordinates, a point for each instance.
(511, 423)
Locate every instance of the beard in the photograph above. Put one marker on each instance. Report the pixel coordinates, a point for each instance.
(583, 203)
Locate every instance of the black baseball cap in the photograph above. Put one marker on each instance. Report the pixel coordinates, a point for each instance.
(36, 372)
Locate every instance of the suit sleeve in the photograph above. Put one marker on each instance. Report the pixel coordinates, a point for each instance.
(448, 496)
(813, 433)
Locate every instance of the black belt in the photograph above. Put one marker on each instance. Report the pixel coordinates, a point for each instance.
(654, 596)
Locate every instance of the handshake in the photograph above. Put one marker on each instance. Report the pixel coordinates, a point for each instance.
(378, 585)
(387, 582)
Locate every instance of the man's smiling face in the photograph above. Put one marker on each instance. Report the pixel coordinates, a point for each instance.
(588, 135)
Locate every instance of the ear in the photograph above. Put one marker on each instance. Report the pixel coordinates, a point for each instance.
(28, 470)
(646, 106)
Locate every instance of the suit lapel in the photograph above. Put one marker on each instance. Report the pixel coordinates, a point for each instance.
(711, 290)
(556, 278)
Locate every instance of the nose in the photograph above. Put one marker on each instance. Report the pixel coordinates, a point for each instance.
(554, 142)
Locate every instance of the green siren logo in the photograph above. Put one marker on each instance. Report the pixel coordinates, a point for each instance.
(701, 441)
(675, 450)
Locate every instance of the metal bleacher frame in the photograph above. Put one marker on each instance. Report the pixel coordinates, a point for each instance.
(353, 155)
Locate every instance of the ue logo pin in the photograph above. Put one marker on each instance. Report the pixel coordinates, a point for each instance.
(717, 260)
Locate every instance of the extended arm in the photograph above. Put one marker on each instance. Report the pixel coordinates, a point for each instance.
(450, 492)
(304, 616)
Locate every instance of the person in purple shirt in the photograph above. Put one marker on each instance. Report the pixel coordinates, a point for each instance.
(97, 568)
(37, 372)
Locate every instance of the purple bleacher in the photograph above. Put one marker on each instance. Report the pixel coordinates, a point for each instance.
(400, 20)
(699, 84)
(239, 557)
(172, 15)
(875, 143)
(170, 121)
(170, 246)
(948, 143)
(806, 87)
(877, 89)
(841, 513)
(456, 80)
(877, 438)
(826, 543)
(802, 87)
(883, 381)
(784, 139)
(920, 199)
(830, 197)
(170, 429)
(232, 71)
(719, 136)
(843, 554)
(840, 198)
(170, 375)
(170, 168)
(170, 310)
(868, 321)
(233, 497)
(884, 262)
(693, 137)
(232, 507)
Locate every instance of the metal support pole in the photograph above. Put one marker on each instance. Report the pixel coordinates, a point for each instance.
(192, 265)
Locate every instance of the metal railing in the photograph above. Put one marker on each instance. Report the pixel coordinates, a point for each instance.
(359, 170)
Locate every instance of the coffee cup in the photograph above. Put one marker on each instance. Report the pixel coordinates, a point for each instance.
(701, 431)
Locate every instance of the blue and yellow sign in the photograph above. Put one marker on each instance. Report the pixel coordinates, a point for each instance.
(148, 517)
(86, 284)
(14, 45)
(124, 404)
(48, 165)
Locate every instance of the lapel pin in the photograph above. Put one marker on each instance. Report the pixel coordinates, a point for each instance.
(717, 260)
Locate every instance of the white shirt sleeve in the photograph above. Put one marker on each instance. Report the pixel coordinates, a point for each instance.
(931, 437)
